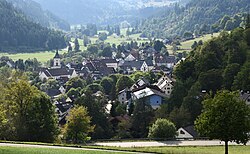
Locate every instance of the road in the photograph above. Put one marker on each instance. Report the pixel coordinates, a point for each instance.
(60, 147)
(165, 143)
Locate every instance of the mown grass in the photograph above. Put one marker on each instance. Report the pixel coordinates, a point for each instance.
(29, 150)
(186, 150)
(40, 56)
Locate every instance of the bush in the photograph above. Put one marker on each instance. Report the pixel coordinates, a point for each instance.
(162, 128)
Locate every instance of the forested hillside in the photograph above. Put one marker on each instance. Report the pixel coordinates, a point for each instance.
(17, 33)
(221, 63)
(34, 11)
(104, 12)
(198, 16)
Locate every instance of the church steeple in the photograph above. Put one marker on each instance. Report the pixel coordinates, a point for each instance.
(57, 60)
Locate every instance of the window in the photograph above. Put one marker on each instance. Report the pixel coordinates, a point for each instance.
(182, 132)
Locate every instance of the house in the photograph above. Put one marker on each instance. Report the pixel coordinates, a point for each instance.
(124, 96)
(149, 95)
(130, 57)
(97, 69)
(187, 133)
(62, 109)
(53, 93)
(170, 61)
(159, 59)
(162, 60)
(150, 64)
(166, 84)
(245, 96)
(57, 71)
(140, 83)
(133, 66)
(110, 63)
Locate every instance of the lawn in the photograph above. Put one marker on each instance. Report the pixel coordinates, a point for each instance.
(24, 150)
(40, 56)
(188, 150)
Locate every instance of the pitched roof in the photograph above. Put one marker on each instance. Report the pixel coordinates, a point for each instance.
(191, 131)
(170, 59)
(57, 55)
(146, 92)
(59, 71)
(149, 62)
(108, 61)
(133, 64)
(53, 92)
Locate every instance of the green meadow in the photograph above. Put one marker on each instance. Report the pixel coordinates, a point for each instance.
(40, 56)
(26, 150)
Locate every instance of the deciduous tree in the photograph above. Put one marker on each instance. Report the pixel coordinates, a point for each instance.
(225, 117)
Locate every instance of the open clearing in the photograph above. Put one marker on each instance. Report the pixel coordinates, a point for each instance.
(186, 45)
(40, 56)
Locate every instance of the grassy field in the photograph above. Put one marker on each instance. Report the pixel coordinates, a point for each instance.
(186, 45)
(188, 150)
(40, 56)
(24, 150)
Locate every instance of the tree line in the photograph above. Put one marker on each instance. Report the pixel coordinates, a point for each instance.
(18, 34)
(197, 17)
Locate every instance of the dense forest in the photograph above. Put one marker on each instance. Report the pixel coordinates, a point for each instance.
(34, 12)
(17, 33)
(198, 17)
(222, 63)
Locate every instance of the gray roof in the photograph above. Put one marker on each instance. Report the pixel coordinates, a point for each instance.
(108, 61)
(191, 131)
(149, 62)
(133, 64)
(170, 59)
(57, 55)
(53, 92)
(58, 71)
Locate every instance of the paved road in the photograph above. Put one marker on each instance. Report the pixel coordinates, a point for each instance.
(165, 143)
(59, 147)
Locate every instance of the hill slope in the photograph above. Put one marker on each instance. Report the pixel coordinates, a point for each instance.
(197, 16)
(34, 11)
(17, 33)
(102, 11)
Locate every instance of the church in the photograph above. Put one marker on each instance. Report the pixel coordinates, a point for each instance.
(57, 71)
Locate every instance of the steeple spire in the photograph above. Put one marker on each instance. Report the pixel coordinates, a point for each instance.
(57, 60)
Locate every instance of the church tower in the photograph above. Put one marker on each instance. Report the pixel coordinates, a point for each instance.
(57, 61)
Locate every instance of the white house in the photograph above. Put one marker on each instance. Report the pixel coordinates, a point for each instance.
(140, 83)
(150, 96)
(187, 133)
(111, 63)
(130, 57)
(165, 83)
(124, 96)
(57, 72)
(134, 66)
